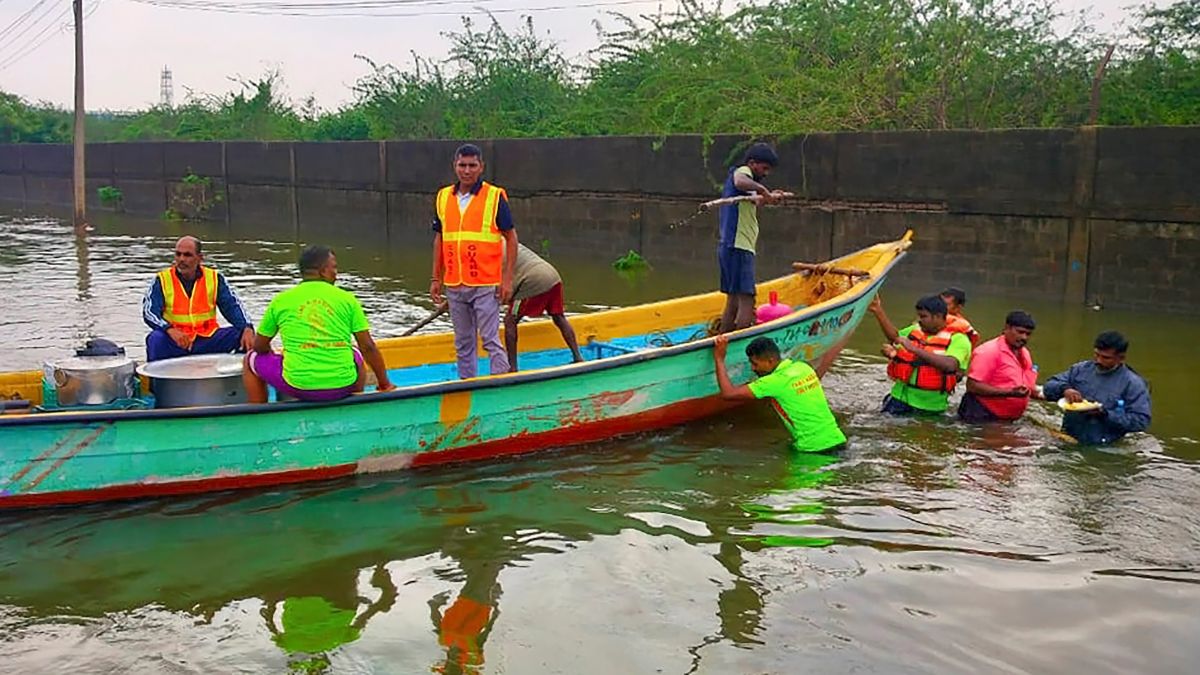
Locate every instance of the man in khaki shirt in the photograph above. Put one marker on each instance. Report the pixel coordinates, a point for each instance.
(537, 290)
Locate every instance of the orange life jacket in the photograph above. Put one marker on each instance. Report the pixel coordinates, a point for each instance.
(194, 314)
(905, 367)
(959, 324)
(472, 246)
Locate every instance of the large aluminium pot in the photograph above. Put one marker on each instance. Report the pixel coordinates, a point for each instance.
(203, 379)
(90, 380)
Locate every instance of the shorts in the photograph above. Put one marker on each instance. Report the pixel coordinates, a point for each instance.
(269, 367)
(737, 271)
(550, 302)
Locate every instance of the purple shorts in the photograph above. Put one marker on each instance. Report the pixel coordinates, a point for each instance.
(269, 367)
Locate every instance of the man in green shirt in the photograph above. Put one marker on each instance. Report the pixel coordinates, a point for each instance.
(793, 387)
(924, 358)
(315, 321)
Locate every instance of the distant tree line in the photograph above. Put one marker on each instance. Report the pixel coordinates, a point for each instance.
(786, 66)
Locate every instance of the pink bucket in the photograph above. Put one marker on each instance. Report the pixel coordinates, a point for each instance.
(772, 310)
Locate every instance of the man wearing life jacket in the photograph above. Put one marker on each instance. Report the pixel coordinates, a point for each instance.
(924, 359)
(1001, 378)
(955, 298)
(793, 388)
(474, 253)
(181, 305)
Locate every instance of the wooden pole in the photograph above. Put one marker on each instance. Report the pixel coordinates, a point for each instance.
(823, 268)
(78, 139)
(441, 309)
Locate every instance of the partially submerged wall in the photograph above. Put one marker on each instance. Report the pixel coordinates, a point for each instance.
(1107, 214)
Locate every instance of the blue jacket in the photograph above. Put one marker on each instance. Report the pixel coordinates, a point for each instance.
(1121, 391)
(228, 303)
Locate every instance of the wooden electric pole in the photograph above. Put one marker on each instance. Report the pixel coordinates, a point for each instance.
(78, 139)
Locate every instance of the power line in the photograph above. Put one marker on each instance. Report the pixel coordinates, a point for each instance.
(39, 24)
(33, 47)
(339, 9)
(21, 19)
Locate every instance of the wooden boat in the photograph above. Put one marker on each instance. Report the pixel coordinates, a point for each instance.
(648, 367)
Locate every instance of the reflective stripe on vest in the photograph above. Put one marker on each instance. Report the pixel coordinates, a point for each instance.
(472, 245)
(904, 366)
(194, 314)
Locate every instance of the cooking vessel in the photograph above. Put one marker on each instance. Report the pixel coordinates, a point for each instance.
(90, 380)
(201, 379)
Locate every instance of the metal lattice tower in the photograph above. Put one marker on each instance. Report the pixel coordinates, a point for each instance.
(166, 90)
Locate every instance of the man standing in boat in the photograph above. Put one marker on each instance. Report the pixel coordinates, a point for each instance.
(181, 304)
(739, 234)
(537, 290)
(474, 253)
(316, 322)
(793, 387)
(924, 359)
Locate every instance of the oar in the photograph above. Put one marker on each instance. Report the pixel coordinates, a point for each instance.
(441, 309)
(704, 208)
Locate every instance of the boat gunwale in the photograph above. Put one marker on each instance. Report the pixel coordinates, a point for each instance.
(473, 384)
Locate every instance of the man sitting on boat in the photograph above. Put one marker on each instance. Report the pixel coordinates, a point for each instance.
(181, 304)
(315, 321)
(1120, 396)
(537, 290)
(793, 387)
(924, 359)
(474, 251)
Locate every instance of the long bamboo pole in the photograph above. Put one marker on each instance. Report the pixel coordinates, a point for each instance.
(78, 140)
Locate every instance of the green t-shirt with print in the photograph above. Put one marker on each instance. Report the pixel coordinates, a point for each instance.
(316, 321)
(932, 401)
(796, 394)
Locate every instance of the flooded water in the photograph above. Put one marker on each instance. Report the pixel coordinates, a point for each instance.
(927, 547)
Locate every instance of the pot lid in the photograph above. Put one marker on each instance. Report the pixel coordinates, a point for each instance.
(197, 367)
(90, 362)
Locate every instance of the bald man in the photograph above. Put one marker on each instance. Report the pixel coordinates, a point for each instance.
(181, 305)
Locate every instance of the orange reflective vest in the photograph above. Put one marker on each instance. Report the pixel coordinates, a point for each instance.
(905, 367)
(194, 314)
(472, 245)
(959, 324)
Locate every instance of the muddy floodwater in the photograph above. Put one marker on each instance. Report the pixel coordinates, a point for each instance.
(926, 547)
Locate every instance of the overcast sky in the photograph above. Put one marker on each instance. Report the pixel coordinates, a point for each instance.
(128, 44)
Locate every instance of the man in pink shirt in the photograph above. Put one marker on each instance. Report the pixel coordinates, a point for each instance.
(1001, 378)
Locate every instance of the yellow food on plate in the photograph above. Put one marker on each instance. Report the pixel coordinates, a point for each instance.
(1082, 406)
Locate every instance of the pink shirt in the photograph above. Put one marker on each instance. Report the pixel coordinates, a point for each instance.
(995, 363)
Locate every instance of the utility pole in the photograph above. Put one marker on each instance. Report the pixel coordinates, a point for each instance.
(78, 139)
(166, 89)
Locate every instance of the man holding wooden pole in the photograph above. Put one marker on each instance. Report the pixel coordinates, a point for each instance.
(739, 233)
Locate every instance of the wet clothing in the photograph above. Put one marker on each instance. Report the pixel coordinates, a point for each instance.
(737, 271)
(924, 400)
(995, 363)
(316, 321)
(796, 394)
(739, 221)
(1121, 391)
(153, 313)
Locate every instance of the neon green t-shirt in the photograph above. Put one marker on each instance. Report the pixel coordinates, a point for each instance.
(316, 322)
(796, 394)
(933, 401)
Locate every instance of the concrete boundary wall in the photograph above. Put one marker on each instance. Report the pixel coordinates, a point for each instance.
(1091, 214)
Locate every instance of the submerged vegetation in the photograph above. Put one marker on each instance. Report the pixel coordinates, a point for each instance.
(784, 66)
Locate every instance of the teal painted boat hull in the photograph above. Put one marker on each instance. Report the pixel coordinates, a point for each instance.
(64, 459)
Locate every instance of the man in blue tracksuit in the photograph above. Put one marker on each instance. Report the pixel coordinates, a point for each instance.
(1122, 393)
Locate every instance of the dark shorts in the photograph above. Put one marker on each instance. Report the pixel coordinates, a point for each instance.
(270, 368)
(550, 302)
(737, 271)
(972, 410)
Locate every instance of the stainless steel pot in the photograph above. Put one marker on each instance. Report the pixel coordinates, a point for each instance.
(203, 379)
(90, 380)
